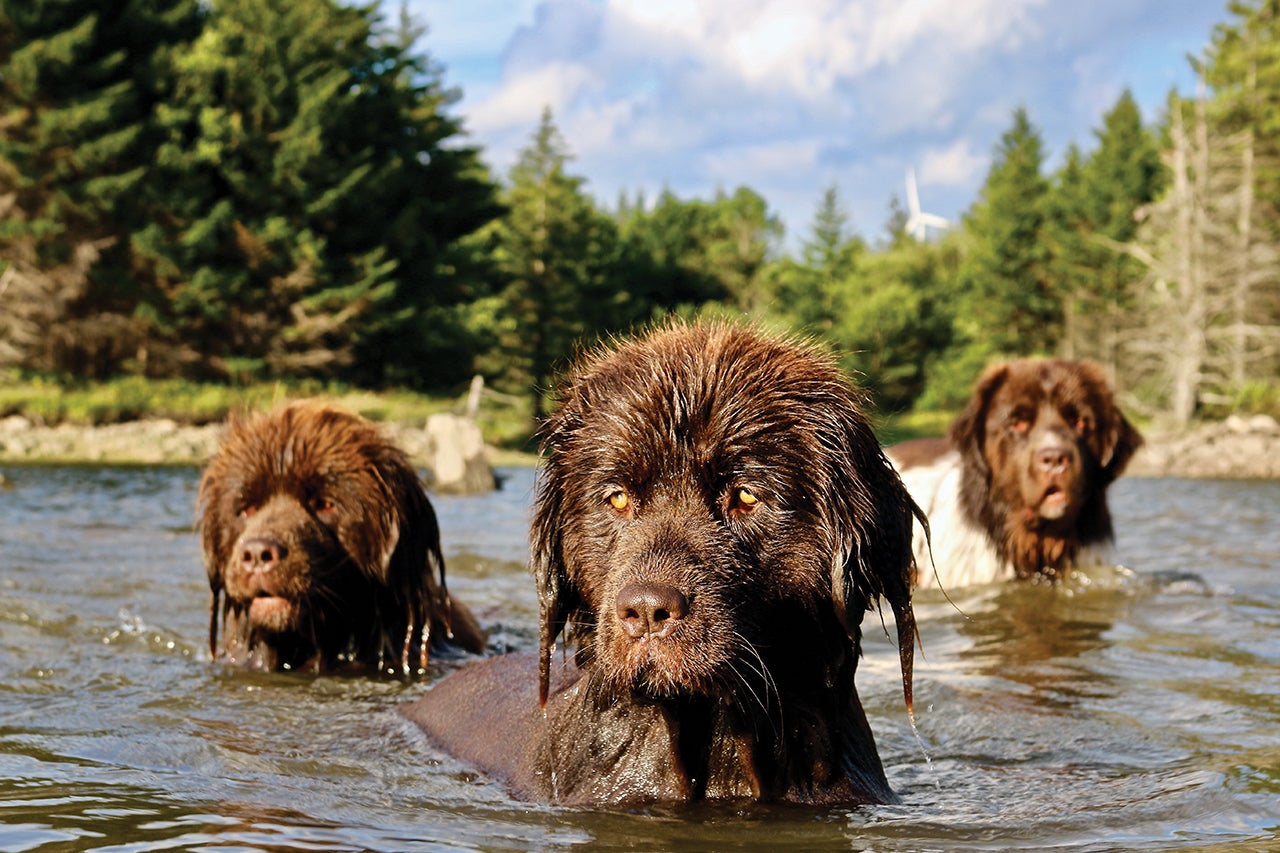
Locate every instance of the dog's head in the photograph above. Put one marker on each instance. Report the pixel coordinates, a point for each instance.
(708, 493)
(319, 535)
(1046, 437)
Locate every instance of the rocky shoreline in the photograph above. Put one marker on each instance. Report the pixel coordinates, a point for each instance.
(1237, 448)
(447, 445)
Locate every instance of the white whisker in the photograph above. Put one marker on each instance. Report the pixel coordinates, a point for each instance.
(755, 664)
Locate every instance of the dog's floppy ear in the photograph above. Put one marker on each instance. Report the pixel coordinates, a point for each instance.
(396, 539)
(1120, 439)
(212, 544)
(210, 535)
(217, 495)
(402, 542)
(968, 431)
(558, 598)
(215, 539)
(873, 514)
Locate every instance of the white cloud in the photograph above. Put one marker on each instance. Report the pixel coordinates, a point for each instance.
(821, 60)
(459, 28)
(810, 47)
(955, 165)
(731, 165)
(520, 101)
(782, 95)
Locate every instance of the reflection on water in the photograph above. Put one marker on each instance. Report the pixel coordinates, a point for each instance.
(1137, 710)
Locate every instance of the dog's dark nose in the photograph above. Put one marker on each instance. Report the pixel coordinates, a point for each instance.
(1053, 459)
(650, 609)
(261, 554)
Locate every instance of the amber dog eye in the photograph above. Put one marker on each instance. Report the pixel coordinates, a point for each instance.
(619, 500)
(743, 502)
(323, 505)
(249, 511)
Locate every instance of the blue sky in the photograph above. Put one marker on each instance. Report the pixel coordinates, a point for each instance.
(789, 97)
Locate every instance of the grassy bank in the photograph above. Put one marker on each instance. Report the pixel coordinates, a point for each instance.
(505, 421)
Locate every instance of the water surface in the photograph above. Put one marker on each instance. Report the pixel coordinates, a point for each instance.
(1137, 711)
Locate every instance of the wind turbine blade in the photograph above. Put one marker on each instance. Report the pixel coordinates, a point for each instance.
(916, 228)
(913, 197)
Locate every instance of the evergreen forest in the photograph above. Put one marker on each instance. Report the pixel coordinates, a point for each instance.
(240, 191)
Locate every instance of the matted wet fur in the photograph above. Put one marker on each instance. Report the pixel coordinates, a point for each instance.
(1020, 487)
(713, 519)
(322, 548)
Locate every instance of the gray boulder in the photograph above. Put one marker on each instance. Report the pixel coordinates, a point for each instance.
(455, 453)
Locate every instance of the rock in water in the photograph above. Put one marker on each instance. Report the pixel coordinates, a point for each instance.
(456, 456)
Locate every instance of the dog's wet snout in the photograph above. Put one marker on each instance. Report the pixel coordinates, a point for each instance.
(262, 553)
(1054, 459)
(650, 609)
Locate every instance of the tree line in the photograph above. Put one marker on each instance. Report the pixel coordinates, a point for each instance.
(241, 190)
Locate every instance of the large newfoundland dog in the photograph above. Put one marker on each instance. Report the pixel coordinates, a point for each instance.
(712, 521)
(322, 549)
(1019, 487)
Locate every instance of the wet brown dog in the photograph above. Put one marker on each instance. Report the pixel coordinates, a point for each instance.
(1019, 489)
(713, 519)
(322, 549)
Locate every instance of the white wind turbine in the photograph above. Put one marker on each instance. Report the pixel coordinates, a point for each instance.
(919, 223)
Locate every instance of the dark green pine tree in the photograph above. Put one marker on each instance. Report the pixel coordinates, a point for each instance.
(558, 256)
(1073, 251)
(80, 81)
(739, 238)
(892, 315)
(665, 266)
(1010, 305)
(1124, 171)
(805, 292)
(1242, 65)
(1123, 174)
(313, 197)
(435, 192)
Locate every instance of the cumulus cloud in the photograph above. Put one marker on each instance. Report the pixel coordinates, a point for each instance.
(810, 49)
(521, 99)
(766, 162)
(797, 94)
(463, 28)
(955, 165)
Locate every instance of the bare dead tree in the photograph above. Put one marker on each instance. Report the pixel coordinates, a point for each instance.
(1190, 339)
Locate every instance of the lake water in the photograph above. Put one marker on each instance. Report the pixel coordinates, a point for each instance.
(1139, 711)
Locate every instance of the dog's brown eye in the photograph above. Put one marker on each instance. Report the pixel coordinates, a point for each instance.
(249, 511)
(747, 499)
(324, 505)
(619, 500)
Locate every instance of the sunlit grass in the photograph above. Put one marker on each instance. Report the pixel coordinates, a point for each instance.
(505, 421)
(46, 401)
(891, 429)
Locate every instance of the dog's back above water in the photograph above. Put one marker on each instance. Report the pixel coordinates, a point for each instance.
(713, 520)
